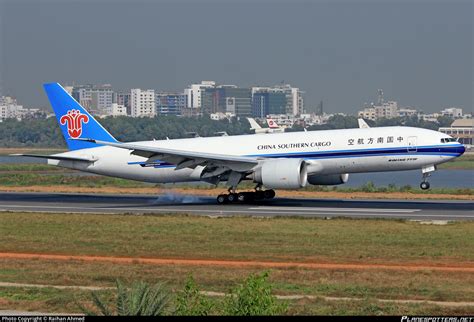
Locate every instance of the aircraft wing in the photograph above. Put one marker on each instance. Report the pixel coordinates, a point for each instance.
(216, 163)
(55, 157)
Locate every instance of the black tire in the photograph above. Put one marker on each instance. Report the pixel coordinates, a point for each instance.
(232, 197)
(221, 199)
(259, 195)
(242, 197)
(269, 194)
(425, 185)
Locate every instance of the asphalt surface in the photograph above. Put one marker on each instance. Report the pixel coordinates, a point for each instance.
(206, 206)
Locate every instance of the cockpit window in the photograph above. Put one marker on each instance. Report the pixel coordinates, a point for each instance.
(447, 140)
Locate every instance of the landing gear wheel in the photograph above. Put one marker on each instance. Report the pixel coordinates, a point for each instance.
(259, 195)
(425, 185)
(221, 199)
(269, 194)
(232, 197)
(242, 196)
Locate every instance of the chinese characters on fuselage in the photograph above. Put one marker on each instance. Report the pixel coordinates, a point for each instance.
(381, 139)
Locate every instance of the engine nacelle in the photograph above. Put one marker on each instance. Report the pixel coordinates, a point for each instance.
(328, 179)
(282, 173)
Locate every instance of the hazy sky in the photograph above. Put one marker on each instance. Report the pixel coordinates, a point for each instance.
(420, 52)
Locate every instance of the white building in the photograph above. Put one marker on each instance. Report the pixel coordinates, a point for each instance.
(117, 110)
(430, 117)
(221, 116)
(384, 110)
(452, 112)
(9, 108)
(368, 113)
(193, 93)
(407, 112)
(311, 119)
(142, 103)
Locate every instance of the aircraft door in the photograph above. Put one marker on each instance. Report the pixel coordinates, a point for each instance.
(412, 144)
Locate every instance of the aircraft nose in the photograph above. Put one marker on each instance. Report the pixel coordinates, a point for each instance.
(461, 149)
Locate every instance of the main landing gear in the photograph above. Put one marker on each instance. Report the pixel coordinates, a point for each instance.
(426, 171)
(233, 197)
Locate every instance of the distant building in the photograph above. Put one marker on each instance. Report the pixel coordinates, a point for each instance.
(433, 117)
(265, 103)
(220, 116)
(368, 113)
(238, 101)
(407, 112)
(462, 129)
(226, 99)
(102, 98)
(387, 110)
(294, 97)
(83, 95)
(123, 98)
(96, 98)
(117, 110)
(170, 103)
(10, 109)
(452, 112)
(142, 103)
(68, 89)
(193, 93)
(383, 109)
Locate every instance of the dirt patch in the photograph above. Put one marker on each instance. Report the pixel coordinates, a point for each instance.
(235, 263)
(215, 192)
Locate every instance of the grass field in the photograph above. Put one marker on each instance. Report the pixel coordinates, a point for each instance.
(41, 177)
(466, 161)
(278, 239)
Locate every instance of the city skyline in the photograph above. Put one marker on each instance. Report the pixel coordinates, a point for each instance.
(419, 53)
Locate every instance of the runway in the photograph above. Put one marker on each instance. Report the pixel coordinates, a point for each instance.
(206, 206)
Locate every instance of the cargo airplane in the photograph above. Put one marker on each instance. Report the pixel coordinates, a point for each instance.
(273, 161)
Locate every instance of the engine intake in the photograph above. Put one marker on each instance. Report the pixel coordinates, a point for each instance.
(282, 173)
(328, 179)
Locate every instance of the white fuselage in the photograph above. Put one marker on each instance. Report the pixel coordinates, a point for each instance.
(333, 151)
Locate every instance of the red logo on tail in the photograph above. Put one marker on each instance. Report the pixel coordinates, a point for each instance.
(74, 120)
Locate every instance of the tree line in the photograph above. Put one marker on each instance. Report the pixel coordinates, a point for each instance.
(46, 132)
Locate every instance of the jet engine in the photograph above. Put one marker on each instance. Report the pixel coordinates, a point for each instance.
(328, 179)
(282, 173)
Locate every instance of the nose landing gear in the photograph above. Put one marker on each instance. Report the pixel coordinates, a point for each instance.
(426, 171)
(425, 185)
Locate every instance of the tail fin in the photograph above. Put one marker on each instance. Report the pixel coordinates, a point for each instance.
(253, 124)
(74, 120)
(272, 124)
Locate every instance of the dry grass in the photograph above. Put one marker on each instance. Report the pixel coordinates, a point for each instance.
(423, 285)
(280, 239)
